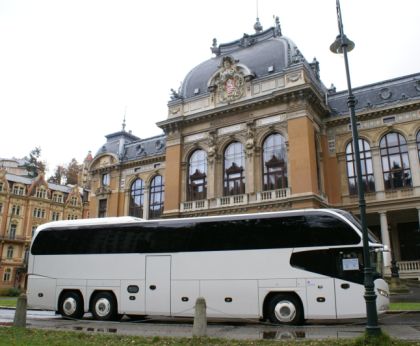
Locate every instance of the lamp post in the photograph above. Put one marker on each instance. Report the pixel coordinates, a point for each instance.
(343, 45)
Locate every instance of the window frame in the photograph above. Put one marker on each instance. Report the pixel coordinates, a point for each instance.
(274, 168)
(365, 158)
(234, 177)
(197, 176)
(399, 177)
(137, 193)
(156, 197)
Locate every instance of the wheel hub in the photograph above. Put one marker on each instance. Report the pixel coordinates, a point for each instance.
(285, 311)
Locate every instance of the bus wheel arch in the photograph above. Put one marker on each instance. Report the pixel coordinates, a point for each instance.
(103, 305)
(71, 304)
(283, 308)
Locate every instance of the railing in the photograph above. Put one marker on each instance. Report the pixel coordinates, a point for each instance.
(409, 269)
(273, 195)
(232, 200)
(194, 205)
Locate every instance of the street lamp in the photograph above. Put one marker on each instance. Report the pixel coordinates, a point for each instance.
(343, 45)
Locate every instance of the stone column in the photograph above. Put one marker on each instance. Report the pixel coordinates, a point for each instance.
(385, 240)
(377, 170)
(146, 202)
(414, 163)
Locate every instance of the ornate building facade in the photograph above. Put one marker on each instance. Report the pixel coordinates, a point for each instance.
(254, 129)
(26, 203)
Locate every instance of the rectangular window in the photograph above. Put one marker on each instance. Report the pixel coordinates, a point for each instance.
(7, 274)
(1, 187)
(57, 198)
(41, 193)
(16, 209)
(18, 190)
(1, 208)
(39, 213)
(33, 230)
(102, 208)
(105, 179)
(55, 216)
(73, 201)
(12, 231)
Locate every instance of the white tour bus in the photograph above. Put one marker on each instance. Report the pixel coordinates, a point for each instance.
(282, 266)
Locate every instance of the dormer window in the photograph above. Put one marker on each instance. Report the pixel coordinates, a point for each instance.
(18, 190)
(41, 193)
(57, 197)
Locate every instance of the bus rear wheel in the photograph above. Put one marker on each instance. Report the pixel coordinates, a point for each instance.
(285, 309)
(104, 306)
(71, 305)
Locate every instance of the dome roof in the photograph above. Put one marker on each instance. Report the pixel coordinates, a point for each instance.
(261, 54)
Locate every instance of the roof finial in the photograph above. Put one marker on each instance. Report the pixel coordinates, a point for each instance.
(123, 124)
(257, 26)
(278, 29)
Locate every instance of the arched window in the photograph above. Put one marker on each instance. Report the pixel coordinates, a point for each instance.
(274, 162)
(418, 144)
(136, 198)
(366, 167)
(157, 197)
(234, 178)
(395, 163)
(10, 252)
(197, 176)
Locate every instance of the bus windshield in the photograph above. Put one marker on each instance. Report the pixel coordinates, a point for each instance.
(371, 236)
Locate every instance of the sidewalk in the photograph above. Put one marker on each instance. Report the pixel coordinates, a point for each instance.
(413, 295)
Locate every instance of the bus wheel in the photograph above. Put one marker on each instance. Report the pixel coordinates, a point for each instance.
(104, 306)
(285, 309)
(71, 305)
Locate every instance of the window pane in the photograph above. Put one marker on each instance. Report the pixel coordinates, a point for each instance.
(275, 162)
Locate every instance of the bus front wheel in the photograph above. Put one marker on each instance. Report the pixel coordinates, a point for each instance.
(104, 306)
(71, 305)
(285, 309)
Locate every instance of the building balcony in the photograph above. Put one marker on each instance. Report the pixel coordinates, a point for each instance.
(12, 238)
(236, 200)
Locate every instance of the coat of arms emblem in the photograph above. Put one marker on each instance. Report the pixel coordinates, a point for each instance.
(230, 82)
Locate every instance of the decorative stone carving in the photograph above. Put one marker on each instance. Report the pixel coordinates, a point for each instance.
(212, 147)
(103, 190)
(230, 81)
(385, 94)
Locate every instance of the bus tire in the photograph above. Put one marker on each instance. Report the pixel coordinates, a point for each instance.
(71, 305)
(285, 309)
(104, 306)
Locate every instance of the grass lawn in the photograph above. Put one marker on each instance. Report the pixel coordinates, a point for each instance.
(37, 337)
(404, 306)
(8, 301)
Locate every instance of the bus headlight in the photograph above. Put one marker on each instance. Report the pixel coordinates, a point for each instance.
(383, 293)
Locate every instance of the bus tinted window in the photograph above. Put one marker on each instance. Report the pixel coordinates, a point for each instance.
(323, 229)
(230, 234)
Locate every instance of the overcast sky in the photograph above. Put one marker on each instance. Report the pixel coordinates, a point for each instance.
(71, 69)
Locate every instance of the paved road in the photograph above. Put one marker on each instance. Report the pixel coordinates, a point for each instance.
(402, 326)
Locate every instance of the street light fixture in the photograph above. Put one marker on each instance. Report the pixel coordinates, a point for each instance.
(342, 45)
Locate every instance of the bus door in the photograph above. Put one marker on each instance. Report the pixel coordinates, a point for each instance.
(349, 286)
(158, 284)
(320, 298)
